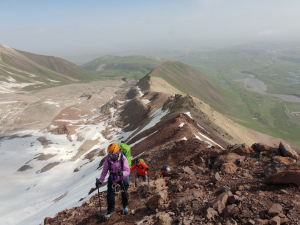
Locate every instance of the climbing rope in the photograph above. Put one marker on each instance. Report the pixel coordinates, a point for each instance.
(117, 188)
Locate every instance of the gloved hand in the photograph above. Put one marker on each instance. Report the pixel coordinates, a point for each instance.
(98, 183)
(120, 173)
(147, 169)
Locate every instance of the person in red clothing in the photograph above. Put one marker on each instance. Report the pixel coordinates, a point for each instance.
(164, 170)
(141, 171)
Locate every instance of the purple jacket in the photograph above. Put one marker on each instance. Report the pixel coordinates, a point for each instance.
(114, 169)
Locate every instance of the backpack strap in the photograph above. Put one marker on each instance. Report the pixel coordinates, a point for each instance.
(121, 160)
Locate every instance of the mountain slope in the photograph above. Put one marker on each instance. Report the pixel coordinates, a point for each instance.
(128, 66)
(20, 70)
(190, 81)
(62, 161)
(59, 65)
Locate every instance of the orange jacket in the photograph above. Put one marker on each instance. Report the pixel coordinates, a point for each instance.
(140, 170)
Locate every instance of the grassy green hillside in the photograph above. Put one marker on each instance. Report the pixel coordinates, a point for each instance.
(131, 67)
(260, 112)
(193, 82)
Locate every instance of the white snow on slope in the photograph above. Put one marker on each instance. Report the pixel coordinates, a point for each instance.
(156, 117)
(52, 103)
(184, 139)
(9, 102)
(189, 114)
(145, 101)
(181, 125)
(140, 91)
(29, 196)
(210, 140)
(198, 137)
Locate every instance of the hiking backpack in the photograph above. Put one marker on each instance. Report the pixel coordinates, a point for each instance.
(142, 161)
(164, 168)
(127, 152)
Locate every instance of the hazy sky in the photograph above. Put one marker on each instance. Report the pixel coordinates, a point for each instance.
(71, 27)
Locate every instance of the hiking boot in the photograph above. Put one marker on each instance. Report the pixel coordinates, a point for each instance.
(126, 211)
(106, 217)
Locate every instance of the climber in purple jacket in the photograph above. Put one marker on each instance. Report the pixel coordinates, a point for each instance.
(117, 165)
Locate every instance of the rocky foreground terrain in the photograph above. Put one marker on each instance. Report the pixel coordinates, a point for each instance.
(239, 185)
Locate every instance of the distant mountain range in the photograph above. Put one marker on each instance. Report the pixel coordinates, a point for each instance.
(29, 71)
(134, 67)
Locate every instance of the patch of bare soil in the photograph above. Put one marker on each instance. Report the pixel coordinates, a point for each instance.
(43, 156)
(44, 142)
(25, 167)
(86, 146)
(49, 166)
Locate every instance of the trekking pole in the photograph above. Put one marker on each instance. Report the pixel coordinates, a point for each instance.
(122, 180)
(97, 181)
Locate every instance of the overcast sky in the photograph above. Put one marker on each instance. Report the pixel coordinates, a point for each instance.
(71, 27)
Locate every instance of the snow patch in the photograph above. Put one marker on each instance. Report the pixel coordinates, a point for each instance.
(208, 144)
(52, 103)
(145, 101)
(10, 102)
(210, 140)
(184, 139)
(198, 137)
(189, 114)
(181, 125)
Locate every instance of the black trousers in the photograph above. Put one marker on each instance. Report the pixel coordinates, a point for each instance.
(137, 177)
(111, 195)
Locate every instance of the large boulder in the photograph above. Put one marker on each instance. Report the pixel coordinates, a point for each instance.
(220, 202)
(156, 201)
(185, 197)
(275, 210)
(231, 211)
(289, 176)
(265, 148)
(143, 189)
(240, 149)
(163, 218)
(288, 151)
(228, 158)
(277, 165)
(211, 214)
(229, 168)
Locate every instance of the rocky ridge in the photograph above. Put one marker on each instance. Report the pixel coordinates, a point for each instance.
(206, 186)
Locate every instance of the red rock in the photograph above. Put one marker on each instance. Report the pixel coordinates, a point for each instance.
(211, 213)
(156, 201)
(47, 220)
(233, 199)
(275, 220)
(217, 177)
(228, 158)
(290, 176)
(188, 170)
(288, 151)
(230, 210)
(275, 210)
(228, 168)
(220, 202)
(163, 218)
